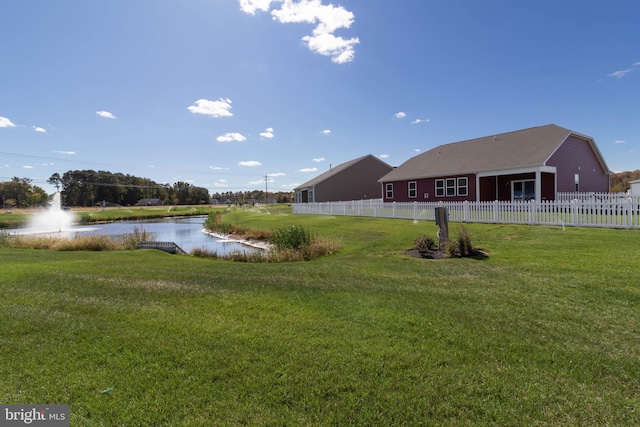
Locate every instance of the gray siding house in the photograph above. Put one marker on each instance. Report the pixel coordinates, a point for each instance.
(528, 164)
(353, 180)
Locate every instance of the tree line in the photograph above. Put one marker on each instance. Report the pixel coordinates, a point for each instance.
(96, 188)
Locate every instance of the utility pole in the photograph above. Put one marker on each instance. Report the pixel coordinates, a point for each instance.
(266, 192)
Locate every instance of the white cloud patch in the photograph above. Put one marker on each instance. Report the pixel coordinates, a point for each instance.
(249, 163)
(326, 131)
(39, 129)
(6, 123)
(327, 18)
(268, 133)
(277, 174)
(215, 109)
(27, 167)
(105, 114)
(418, 121)
(319, 159)
(400, 115)
(290, 186)
(621, 73)
(384, 156)
(216, 168)
(230, 137)
(66, 152)
(619, 141)
(309, 170)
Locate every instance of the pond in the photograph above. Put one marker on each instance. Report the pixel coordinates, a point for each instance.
(188, 233)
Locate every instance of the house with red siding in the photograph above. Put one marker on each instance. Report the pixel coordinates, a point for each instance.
(529, 164)
(353, 180)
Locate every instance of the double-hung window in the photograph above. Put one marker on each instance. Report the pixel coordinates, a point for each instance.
(462, 187)
(439, 187)
(389, 191)
(413, 189)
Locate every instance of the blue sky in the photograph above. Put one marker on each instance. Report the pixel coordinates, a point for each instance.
(221, 93)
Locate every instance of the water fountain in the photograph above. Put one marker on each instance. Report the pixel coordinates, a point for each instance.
(53, 220)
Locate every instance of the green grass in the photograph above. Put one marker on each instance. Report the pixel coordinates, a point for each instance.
(543, 331)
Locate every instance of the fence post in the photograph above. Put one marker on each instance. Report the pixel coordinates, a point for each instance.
(415, 210)
(495, 211)
(532, 212)
(574, 211)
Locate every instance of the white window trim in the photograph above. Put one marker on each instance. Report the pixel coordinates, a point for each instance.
(442, 191)
(415, 189)
(466, 186)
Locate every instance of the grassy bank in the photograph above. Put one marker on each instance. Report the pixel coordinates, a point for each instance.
(542, 331)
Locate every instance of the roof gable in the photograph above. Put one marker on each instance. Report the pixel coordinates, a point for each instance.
(335, 170)
(523, 148)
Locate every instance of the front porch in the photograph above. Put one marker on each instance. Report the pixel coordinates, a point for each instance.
(537, 184)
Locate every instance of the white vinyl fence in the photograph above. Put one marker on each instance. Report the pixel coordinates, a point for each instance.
(615, 211)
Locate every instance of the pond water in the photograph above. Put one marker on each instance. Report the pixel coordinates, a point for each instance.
(188, 233)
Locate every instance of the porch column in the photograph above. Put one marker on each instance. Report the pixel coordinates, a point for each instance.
(477, 187)
(538, 186)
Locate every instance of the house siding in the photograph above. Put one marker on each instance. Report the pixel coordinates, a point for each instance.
(427, 187)
(575, 156)
(357, 182)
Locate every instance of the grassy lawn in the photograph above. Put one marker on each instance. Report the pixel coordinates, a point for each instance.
(543, 331)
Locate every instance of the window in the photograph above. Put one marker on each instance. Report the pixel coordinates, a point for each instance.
(523, 191)
(389, 191)
(462, 187)
(413, 189)
(452, 187)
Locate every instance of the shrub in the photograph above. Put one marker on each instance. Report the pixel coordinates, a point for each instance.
(425, 245)
(293, 237)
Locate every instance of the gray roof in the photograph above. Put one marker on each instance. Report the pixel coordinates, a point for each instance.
(522, 148)
(335, 170)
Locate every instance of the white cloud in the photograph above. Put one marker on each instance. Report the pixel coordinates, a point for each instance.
(384, 156)
(218, 108)
(417, 150)
(276, 174)
(326, 131)
(620, 74)
(417, 121)
(258, 182)
(309, 170)
(399, 115)
(328, 19)
(6, 123)
(216, 168)
(39, 129)
(268, 133)
(65, 152)
(290, 186)
(231, 136)
(105, 114)
(220, 184)
(319, 159)
(250, 163)
(251, 6)
(619, 141)
(27, 167)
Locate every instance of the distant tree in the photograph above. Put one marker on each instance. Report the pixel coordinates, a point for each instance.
(55, 180)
